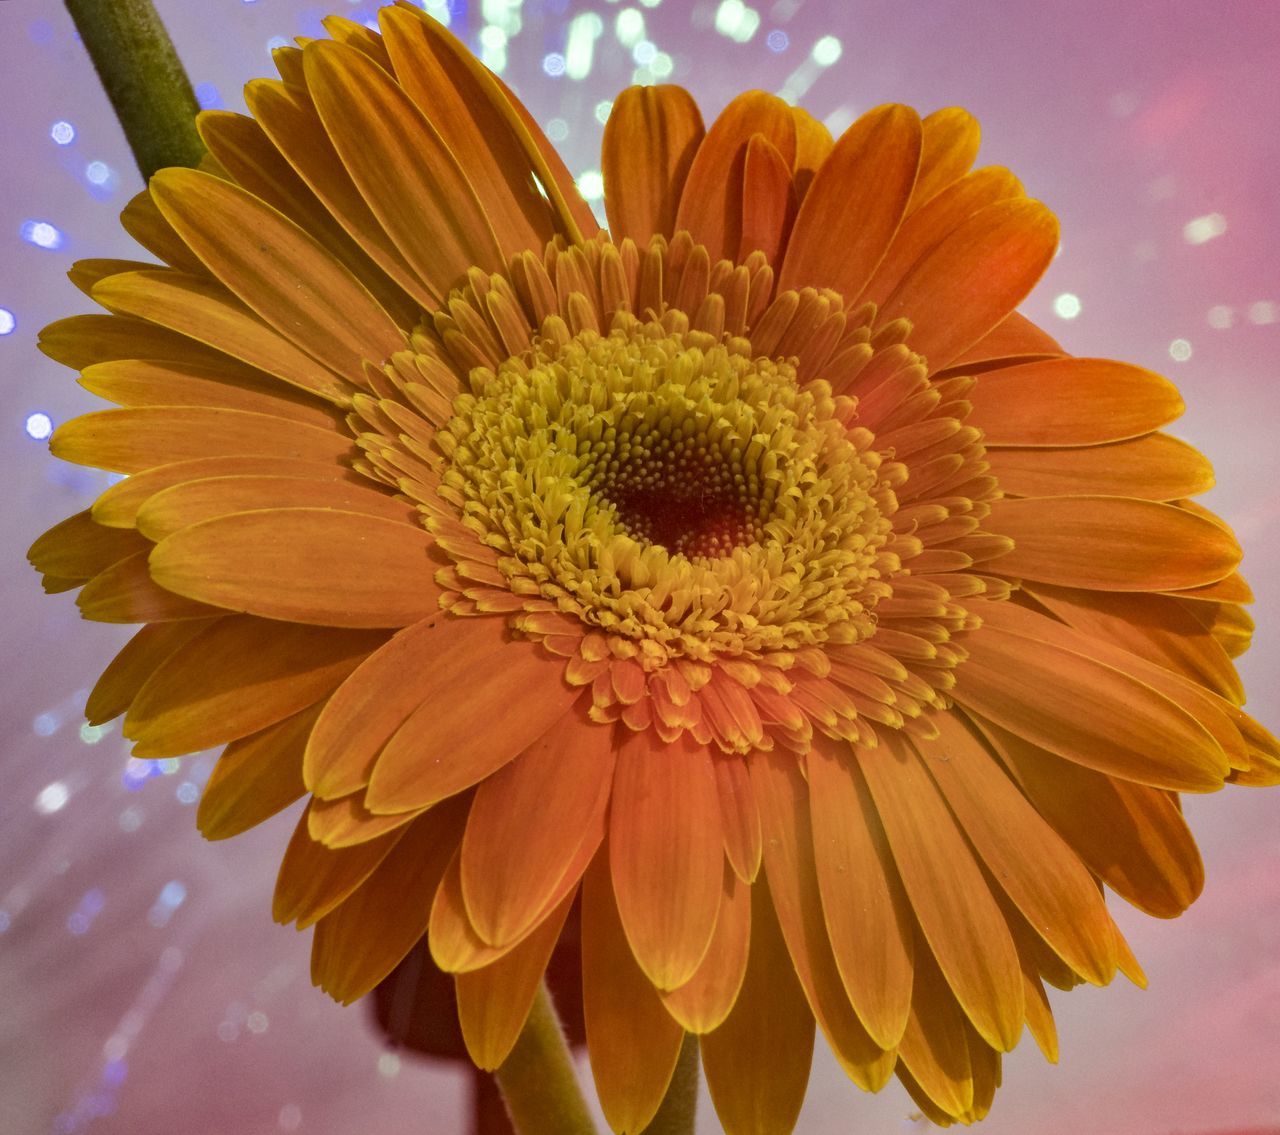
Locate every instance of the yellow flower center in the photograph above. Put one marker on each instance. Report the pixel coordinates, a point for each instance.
(669, 487)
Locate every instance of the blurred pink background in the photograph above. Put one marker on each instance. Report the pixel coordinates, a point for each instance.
(143, 986)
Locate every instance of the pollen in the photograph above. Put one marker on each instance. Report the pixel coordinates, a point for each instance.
(671, 487)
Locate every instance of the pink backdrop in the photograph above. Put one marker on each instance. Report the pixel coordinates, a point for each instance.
(143, 987)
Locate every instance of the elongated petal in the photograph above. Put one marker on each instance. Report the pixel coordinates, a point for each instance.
(129, 671)
(1036, 868)
(1036, 690)
(472, 124)
(202, 310)
(867, 916)
(279, 271)
(436, 754)
(128, 441)
(632, 1040)
(1132, 837)
(494, 1002)
(80, 547)
(930, 224)
(236, 677)
(126, 593)
(703, 1002)
(973, 278)
(232, 386)
(935, 1046)
(307, 565)
(412, 183)
(666, 853)
(961, 921)
(1111, 543)
(194, 502)
(949, 141)
(255, 778)
(365, 712)
(757, 1062)
(1071, 401)
(739, 816)
(346, 821)
(358, 944)
(782, 795)
(527, 821)
(855, 204)
(768, 200)
(1014, 339)
(711, 204)
(314, 879)
(81, 340)
(1155, 467)
(650, 139)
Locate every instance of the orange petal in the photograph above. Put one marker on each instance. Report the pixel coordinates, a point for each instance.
(141, 657)
(632, 1041)
(194, 502)
(204, 311)
(757, 1062)
(314, 879)
(1132, 837)
(526, 825)
(739, 816)
(294, 127)
(649, 143)
(118, 506)
(494, 1002)
(1014, 339)
(362, 941)
(949, 141)
(1154, 627)
(237, 676)
(666, 852)
(473, 126)
(255, 778)
(973, 278)
(960, 919)
(855, 204)
(126, 593)
(1071, 401)
(81, 340)
(368, 708)
(412, 183)
(1036, 868)
(702, 1003)
(783, 797)
(1155, 467)
(466, 727)
(813, 146)
(867, 916)
(279, 271)
(232, 386)
(935, 1044)
(306, 565)
(930, 224)
(128, 441)
(711, 203)
(80, 547)
(768, 200)
(146, 224)
(1035, 689)
(1111, 543)
(243, 147)
(346, 821)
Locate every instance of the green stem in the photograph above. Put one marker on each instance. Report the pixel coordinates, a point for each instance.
(143, 78)
(676, 1113)
(538, 1080)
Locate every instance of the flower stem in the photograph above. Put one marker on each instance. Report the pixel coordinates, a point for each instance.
(143, 78)
(676, 1113)
(538, 1080)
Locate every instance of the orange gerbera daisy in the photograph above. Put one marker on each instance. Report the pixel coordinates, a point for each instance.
(752, 571)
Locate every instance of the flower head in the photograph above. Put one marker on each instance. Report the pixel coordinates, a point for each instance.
(752, 571)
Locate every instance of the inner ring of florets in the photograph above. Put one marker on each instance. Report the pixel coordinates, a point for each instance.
(670, 487)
